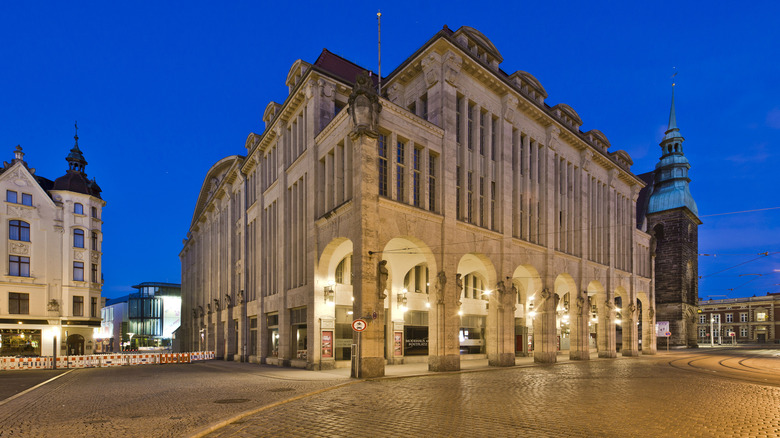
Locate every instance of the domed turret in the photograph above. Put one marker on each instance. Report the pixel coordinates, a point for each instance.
(75, 179)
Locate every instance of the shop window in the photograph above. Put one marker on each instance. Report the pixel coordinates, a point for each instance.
(299, 332)
(253, 336)
(18, 303)
(272, 321)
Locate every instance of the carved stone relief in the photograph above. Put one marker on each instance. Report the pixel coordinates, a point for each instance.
(19, 248)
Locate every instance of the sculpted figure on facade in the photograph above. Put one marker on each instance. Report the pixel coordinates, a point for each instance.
(501, 291)
(216, 305)
(580, 303)
(364, 106)
(228, 301)
(208, 307)
(53, 306)
(381, 279)
(240, 297)
(631, 310)
(200, 309)
(651, 312)
(441, 282)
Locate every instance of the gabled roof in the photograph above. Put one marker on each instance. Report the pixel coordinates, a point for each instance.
(342, 68)
(215, 178)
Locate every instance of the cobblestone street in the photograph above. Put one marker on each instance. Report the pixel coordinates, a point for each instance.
(683, 393)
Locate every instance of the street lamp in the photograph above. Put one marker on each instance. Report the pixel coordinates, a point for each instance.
(130, 342)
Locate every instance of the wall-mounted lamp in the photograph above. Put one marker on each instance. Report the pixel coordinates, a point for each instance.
(402, 298)
(330, 294)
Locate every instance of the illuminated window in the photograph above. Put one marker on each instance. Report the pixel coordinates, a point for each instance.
(761, 316)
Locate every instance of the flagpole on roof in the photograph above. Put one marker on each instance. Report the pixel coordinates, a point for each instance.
(379, 48)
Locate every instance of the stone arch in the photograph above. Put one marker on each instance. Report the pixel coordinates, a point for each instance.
(528, 282)
(647, 326)
(408, 258)
(479, 270)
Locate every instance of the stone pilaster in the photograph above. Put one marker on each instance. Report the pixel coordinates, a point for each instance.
(630, 331)
(606, 328)
(443, 325)
(579, 315)
(545, 330)
(501, 327)
(649, 340)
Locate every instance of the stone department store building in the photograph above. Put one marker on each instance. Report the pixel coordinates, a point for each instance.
(459, 214)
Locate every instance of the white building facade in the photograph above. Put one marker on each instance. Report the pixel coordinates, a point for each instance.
(458, 214)
(50, 292)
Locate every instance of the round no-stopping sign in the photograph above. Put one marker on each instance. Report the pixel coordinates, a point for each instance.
(359, 325)
(667, 334)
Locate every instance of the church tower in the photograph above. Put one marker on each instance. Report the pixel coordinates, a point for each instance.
(672, 219)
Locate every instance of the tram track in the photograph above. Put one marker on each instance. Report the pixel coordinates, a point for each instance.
(737, 367)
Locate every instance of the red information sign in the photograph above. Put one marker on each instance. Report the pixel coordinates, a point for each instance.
(327, 344)
(398, 348)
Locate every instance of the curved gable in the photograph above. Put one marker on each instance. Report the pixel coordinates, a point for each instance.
(215, 178)
(480, 38)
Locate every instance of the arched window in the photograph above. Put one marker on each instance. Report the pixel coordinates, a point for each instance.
(19, 230)
(344, 271)
(94, 241)
(78, 208)
(78, 238)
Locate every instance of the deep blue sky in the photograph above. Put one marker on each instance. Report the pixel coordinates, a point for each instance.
(162, 90)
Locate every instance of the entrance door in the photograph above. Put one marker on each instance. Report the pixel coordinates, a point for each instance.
(761, 337)
(75, 344)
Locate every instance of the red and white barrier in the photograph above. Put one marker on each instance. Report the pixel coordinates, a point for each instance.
(103, 360)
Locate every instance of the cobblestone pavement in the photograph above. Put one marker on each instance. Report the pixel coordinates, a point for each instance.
(151, 400)
(643, 397)
(705, 392)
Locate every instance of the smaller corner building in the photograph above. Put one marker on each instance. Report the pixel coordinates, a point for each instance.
(50, 283)
(749, 320)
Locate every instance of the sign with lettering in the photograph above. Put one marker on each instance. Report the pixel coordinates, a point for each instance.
(662, 329)
(327, 344)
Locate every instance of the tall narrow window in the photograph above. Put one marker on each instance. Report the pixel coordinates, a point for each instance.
(26, 199)
(416, 175)
(78, 208)
(94, 273)
(19, 230)
(18, 303)
(94, 241)
(493, 138)
(458, 119)
(470, 129)
(78, 271)
(458, 189)
(78, 306)
(94, 212)
(481, 201)
(400, 159)
(482, 132)
(19, 266)
(469, 197)
(93, 308)
(493, 205)
(382, 146)
(424, 106)
(432, 182)
(78, 238)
